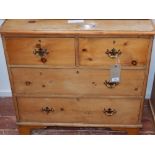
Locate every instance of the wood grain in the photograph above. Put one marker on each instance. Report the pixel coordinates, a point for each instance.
(72, 79)
(92, 51)
(103, 27)
(75, 82)
(61, 51)
(79, 110)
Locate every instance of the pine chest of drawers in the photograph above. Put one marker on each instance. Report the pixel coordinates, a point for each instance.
(59, 72)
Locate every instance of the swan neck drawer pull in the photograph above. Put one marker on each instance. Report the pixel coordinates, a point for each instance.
(42, 53)
(111, 85)
(47, 110)
(109, 112)
(113, 53)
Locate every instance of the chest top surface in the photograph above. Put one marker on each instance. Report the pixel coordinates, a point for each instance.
(140, 27)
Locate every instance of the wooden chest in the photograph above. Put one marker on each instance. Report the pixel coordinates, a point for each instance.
(60, 71)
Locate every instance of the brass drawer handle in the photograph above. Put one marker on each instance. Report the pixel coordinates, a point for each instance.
(109, 111)
(47, 110)
(109, 84)
(42, 53)
(113, 53)
(28, 83)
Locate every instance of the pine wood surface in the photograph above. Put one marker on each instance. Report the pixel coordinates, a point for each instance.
(89, 111)
(75, 82)
(77, 65)
(92, 51)
(61, 51)
(113, 27)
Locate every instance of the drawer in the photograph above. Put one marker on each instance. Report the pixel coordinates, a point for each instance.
(76, 82)
(83, 110)
(103, 51)
(34, 51)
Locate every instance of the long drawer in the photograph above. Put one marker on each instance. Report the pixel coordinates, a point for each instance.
(103, 51)
(81, 110)
(41, 51)
(76, 82)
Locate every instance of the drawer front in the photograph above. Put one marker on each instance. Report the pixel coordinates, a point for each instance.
(34, 51)
(74, 82)
(83, 110)
(103, 51)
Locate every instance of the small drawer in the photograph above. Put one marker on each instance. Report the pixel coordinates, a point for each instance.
(104, 51)
(81, 110)
(41, 51)
(76, 82)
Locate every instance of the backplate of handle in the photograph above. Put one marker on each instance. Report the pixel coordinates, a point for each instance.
(42, 53)
(111, 85)
(109, 111)
(47, 110)
(113, 53)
